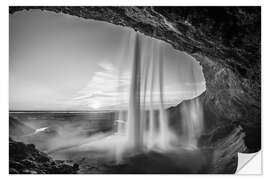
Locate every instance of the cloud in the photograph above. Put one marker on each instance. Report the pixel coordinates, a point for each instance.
(107, 87)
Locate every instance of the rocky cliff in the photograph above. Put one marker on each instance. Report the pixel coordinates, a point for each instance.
(26, 159)
(225, 40)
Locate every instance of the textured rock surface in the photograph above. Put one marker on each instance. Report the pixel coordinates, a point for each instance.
(225, 40)
(26, 159)
(225, 143)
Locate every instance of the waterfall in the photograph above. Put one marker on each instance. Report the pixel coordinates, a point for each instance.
(143, 125)
(147, 125)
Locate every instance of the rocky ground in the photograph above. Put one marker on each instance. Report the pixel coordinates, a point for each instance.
(26, 159)
(176, 161)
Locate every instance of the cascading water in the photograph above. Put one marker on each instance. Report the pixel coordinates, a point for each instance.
(192, 123)
(158, 134)
(192, 118)
(143, 126)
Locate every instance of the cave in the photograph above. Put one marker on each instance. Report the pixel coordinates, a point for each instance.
(226, 43)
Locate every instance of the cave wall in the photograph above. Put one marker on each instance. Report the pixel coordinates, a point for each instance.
(225, 40)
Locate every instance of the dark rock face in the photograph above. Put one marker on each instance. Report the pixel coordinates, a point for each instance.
(225, 143)
(26, 159)
(225, 40)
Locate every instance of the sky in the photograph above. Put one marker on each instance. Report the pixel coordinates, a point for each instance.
(61, 62)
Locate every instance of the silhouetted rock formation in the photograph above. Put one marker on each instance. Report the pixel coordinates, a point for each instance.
(26, 159)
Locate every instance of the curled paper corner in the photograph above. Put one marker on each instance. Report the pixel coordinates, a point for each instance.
(249, 164)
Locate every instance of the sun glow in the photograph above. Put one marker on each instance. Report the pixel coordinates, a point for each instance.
(95, 105)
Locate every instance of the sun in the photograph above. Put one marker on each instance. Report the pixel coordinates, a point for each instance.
(95, 105)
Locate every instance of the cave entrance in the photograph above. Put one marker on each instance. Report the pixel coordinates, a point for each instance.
(70, 54)
(81, 65)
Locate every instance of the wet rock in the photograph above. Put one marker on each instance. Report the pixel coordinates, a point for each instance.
(29, 163)
(16, 165)
(13, 171)
(26, 171)
(75, 166)
(42, 159)
(225, 143)
(31, 146)
(26, 159)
